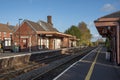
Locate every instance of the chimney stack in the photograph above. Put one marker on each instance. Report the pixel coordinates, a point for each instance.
(8, 23)
(49, 19)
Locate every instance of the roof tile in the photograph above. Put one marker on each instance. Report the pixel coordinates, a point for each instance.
(5, 28)
(113, 15)
(42, 26)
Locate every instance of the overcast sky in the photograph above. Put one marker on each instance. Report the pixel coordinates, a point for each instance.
(64, 12)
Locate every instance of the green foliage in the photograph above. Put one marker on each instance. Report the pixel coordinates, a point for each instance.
(81, 32)
(73, 30)
(85, 34)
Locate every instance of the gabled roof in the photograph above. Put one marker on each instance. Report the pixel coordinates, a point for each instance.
(113, 15)
(12, 28)
(47, 26)
(35, 25)
(5, 28)
(41, 26)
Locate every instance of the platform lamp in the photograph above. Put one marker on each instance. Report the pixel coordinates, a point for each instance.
(19, 33)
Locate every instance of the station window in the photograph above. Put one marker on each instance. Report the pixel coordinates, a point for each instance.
(5, 34)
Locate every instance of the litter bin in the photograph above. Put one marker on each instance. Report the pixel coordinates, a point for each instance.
(15, 48)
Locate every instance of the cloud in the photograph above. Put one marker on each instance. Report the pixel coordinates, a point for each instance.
(108, 7)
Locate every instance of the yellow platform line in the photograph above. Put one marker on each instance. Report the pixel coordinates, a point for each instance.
(88, 76)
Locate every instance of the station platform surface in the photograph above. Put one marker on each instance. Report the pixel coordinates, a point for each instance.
(93, 66)
(9, 54)
(15, 54)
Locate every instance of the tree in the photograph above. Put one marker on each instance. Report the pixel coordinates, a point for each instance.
(85, 34)
(74, 30)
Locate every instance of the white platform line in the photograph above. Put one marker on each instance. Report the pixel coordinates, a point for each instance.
(72, 65)
(15, 55)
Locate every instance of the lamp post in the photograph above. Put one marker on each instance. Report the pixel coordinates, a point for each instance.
(19, 33)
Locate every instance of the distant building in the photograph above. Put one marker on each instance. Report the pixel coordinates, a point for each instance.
(6, 34)
(31, 36)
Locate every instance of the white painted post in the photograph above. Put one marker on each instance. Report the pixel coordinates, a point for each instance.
(107, 55)
(30, 44)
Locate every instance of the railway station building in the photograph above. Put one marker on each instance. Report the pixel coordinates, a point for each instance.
(32, 36)
(109, 26)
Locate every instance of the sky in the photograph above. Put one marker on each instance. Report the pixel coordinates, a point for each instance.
(65, 13)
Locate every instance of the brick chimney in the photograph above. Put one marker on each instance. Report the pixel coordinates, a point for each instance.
(49, 19)
(8, 23)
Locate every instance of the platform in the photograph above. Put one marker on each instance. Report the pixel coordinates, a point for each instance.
(93, 66)
(9, 54)
(8, 59)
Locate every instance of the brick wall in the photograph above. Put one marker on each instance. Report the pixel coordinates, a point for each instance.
(27, 37)
(65, 42)
(2, 35)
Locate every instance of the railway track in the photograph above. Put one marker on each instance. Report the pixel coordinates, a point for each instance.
(41, 73)
(39, 62)
(49, 75)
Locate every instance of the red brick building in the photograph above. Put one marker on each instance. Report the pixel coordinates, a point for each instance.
(6, 35)
(33, 36)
